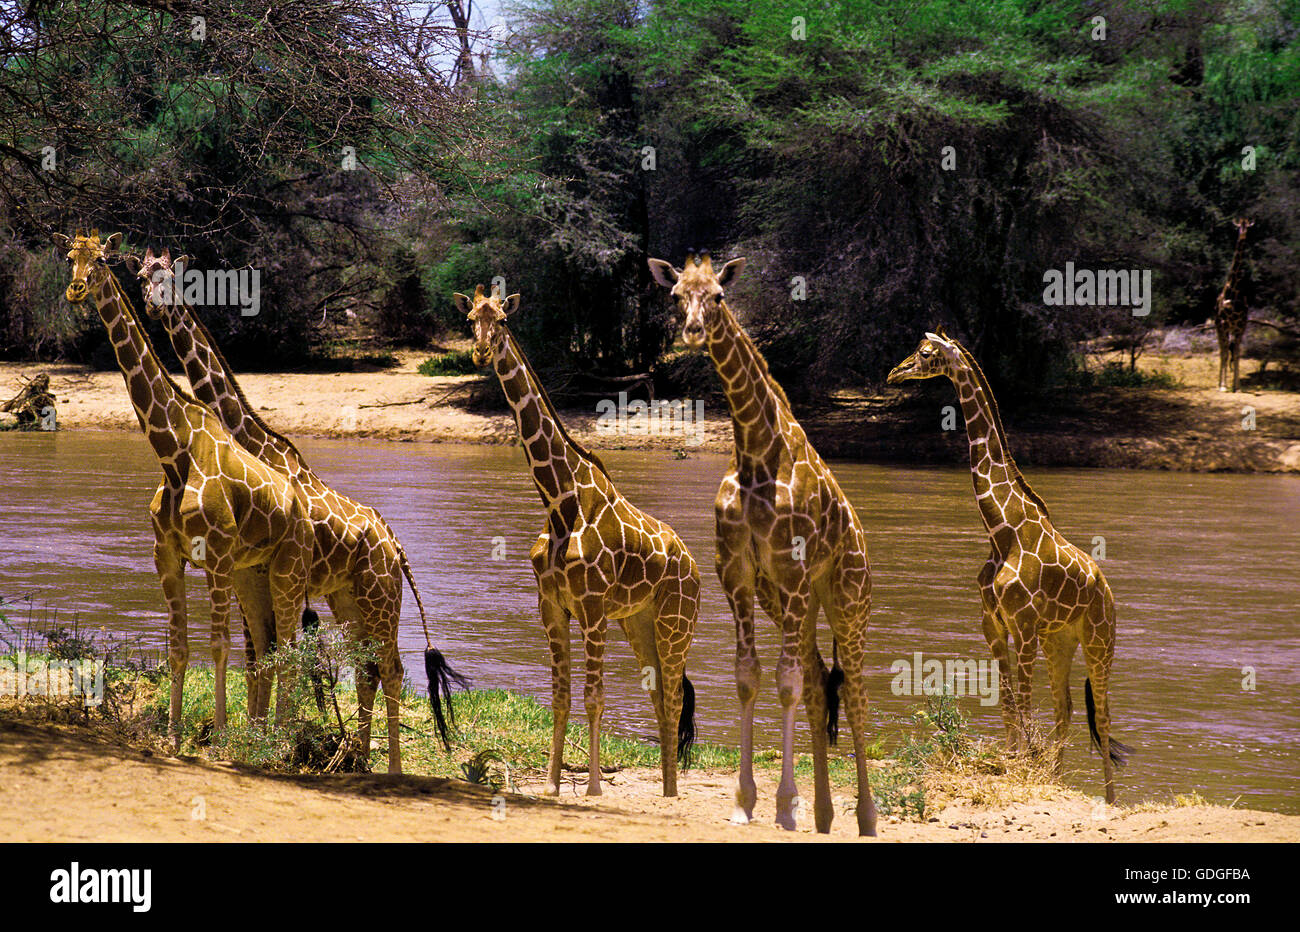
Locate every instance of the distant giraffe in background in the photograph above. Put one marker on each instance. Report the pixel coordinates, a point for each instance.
(1231, 314)
(599, 558)
(788, 535)
(357, 563)
(1035, 584)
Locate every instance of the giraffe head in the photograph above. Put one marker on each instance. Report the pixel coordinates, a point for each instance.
(85, 253)
(1242, 225)
(938, 355)
(698, 291)
(487, 315)
(157, 277)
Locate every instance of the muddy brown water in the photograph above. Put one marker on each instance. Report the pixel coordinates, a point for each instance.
(1205, 569)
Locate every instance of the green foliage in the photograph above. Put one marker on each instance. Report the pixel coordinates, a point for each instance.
(1118, 375)
(459, 362)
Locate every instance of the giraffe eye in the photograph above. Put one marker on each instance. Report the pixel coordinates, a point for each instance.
(717, 298)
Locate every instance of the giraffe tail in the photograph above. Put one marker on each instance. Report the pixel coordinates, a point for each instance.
(410, 581)
(686, 724)
(1119, 752)
(833, 683)
(441, 677)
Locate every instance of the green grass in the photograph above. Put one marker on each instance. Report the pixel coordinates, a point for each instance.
(500, 737)
(459, 362)
(1118, 375)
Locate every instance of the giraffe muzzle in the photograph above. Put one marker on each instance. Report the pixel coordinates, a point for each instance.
(900, 372)
(76, 292)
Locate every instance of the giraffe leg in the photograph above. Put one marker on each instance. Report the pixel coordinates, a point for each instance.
(640, 630)
(1026, 644)
(287, 575)
(557, 621)
(737, 576)
(674, 625)
(220, 591)
(1059, 649)
(847, 610)
(1236, 363)
(592, 621)
(377, 593)
(390, 675)
(171, 572)
(253, 591)
(996, 635)
(814, 699)
(343, 606)
(1224, 353)
(793, 606)
(1098, 638)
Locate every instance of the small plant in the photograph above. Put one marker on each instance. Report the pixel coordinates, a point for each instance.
(480, 771)
(1117, 375)
(459, 362)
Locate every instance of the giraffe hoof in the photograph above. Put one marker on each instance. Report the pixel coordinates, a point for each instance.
(552, 789)
(740, 817)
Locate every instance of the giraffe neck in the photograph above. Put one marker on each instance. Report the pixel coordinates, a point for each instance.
(160, 406)
(214, 384)
(553, 456)
(755, 400)
(1004, 498)
(1234, 269)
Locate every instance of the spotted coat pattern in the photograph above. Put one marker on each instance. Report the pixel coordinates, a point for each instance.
(598, 558)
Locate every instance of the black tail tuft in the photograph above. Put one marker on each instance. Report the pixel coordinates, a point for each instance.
(441, 676)
(310, 620)
(833, 683)
(1119, 752)
(686, 725)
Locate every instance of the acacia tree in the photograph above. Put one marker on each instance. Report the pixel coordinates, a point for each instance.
(290, 135)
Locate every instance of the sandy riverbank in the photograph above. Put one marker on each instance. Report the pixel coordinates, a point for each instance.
(42, 766)
(1193, 427)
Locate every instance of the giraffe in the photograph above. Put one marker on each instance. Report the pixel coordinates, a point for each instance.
(218, 508)
(1231, 314)
(357, 564)
(1035, 585)
(787, 535)
(598, 558)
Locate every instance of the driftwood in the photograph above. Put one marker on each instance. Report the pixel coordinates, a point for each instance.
(32, 402)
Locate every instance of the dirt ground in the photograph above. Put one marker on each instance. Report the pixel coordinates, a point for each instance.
(61, 784)
(1193, 427)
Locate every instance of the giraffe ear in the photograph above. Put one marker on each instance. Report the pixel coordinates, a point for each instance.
(61, 241)
(730, 271)
(183, 260)
(463, 303)
(114, 241)
(664, 273)
(132, 262)
(512, 304)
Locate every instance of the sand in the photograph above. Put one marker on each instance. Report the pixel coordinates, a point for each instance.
(129, 794)
(1191, 428)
